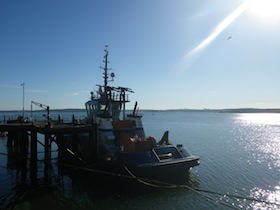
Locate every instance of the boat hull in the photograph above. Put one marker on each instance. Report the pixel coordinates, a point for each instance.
(173, 171)
(168, 171)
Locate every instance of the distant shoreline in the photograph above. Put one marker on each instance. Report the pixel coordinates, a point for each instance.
(250, 110)
(236, 110)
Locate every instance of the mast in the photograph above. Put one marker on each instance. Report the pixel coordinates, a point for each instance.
(106, 68)
(105, 73)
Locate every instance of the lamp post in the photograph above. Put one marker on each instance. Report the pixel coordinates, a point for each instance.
(23, 99)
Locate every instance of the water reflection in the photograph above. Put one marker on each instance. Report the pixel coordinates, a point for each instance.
(59, 187)
(259, 118)
(259, 135)
(272, 198)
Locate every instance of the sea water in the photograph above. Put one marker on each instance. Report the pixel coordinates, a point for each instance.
(240, 168)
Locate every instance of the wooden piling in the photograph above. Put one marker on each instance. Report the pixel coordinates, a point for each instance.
(82, 142)
(10, 140)
(33, 156)
(47, 147)
(33, 146)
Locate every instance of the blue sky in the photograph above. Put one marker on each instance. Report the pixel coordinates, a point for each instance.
(174, 54)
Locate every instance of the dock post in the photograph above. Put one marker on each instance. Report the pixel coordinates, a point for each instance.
(33, 156)
(23, 141)
(10, 139)
(34, 145)
(47, 147)
(47, 159)
(73, 119)
(16, 137)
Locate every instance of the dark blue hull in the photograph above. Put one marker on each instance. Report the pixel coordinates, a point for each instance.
(144, 165)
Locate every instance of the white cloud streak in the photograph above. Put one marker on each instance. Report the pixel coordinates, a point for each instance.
(219, 29)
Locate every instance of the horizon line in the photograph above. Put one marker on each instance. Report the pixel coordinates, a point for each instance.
(149, 109)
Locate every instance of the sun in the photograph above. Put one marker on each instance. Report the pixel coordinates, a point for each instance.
(267, 10)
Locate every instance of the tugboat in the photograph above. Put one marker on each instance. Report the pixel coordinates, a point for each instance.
(122, 143)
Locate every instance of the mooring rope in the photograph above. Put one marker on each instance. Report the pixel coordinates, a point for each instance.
(141, 180)
(167, 185)
(159, 184)
(200, 191)
(172, 186)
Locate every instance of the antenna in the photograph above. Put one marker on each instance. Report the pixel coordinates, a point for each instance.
(105, 68)
(112, 76)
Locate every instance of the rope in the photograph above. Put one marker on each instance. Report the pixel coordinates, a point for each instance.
(239, 197)
(159, 184)
(141, 180)
(210, 198)
(167, 185)
(199, 191)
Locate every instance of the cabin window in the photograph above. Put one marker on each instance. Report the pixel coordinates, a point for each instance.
(102, 107)
(88, 109)
(92, 108)
(116, 111)
(165, 151)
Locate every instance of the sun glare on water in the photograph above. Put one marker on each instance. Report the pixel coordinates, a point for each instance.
(260, 118)
(268, 10)
(259, 135)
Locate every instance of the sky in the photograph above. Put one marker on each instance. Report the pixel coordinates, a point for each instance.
(178, 54)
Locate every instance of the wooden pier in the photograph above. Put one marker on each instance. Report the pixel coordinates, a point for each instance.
(76, 140)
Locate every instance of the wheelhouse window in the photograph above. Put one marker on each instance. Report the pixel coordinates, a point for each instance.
(92, 108)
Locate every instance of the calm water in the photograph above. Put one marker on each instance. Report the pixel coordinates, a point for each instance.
(240, 158)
